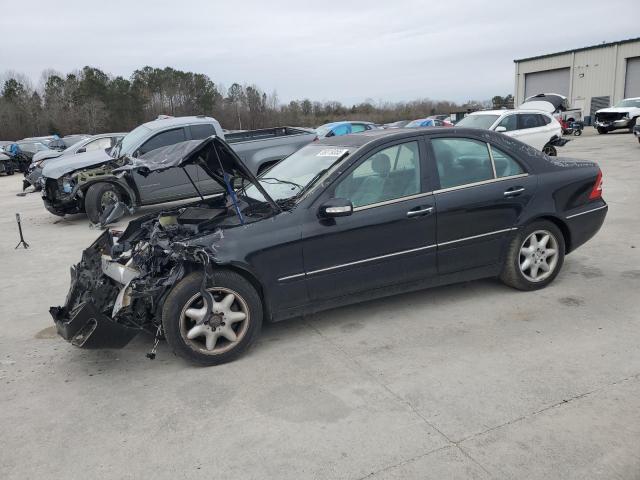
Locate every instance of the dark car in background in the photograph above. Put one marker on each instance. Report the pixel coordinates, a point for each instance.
(342, 220)
(87, 183)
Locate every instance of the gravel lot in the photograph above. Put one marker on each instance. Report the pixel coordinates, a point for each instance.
(469, 381)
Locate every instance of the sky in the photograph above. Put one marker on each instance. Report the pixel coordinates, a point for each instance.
(349, 51)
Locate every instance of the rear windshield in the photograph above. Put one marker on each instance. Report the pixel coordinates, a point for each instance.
(478, 121)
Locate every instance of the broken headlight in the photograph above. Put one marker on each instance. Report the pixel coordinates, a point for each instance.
(67, 183)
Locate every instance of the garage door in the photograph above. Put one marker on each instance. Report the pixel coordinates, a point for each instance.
(549, 81)
(632, 78)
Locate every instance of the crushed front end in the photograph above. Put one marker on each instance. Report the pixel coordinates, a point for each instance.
(118, 288)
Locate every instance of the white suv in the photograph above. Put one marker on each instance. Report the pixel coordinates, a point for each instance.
(533, 127)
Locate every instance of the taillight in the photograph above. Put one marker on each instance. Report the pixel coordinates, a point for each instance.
(596, 192)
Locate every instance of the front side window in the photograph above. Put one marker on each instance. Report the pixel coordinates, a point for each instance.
(510, 122)
(99, 144)
(461, 161)
(388, 174)
(341, 130)
(164, 139)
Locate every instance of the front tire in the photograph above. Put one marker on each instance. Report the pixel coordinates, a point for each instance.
(235, 324)
(99, 197)
(535, 256)
(602, 131)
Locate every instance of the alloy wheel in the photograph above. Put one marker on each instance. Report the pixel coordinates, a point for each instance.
(225, 328)
(538, 257)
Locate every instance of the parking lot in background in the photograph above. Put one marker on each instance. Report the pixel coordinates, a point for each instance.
(469, 381)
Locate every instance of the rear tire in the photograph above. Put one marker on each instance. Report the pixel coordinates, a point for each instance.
(98, 198)
(602, 131)
(550, 150)
(192, 342)
(526, 261)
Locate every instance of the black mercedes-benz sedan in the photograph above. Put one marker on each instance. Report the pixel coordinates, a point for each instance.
(343, 220)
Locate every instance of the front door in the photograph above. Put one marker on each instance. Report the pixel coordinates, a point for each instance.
(482, 193)
(390, 237)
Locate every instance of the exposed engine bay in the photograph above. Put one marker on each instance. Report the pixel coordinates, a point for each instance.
(119, 286)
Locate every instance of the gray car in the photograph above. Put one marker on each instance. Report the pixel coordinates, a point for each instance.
(87, 183)
(102, 141)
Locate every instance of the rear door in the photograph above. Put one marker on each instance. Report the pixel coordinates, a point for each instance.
(390, 237)
(531, 130)
(171, 184)
(482, 193)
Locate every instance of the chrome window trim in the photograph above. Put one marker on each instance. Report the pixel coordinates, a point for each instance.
(588, 211)
(389, 202)
(477, 236)
(483, 182)
(493, 163)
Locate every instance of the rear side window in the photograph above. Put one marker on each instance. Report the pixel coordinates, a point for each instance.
(506, 166)
(357, 127)
(529, 120)
(170, 137)
(509, 122)
(545, 120)
(202, 130)
(461, 161)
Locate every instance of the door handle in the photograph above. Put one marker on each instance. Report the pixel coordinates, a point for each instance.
(512, 192)
(420, 212)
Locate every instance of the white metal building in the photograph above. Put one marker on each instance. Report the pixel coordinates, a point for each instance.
(591, 77)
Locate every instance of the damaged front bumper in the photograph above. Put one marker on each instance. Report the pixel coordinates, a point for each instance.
(86, 327)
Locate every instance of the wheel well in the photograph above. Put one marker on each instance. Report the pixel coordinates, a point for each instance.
(255, 283)
(566, 234)
(120, 188)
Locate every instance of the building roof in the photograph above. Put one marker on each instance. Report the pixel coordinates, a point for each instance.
(601, 45)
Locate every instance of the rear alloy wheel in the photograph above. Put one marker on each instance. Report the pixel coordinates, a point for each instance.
(550, 150)
(535, 256)
(233, 325)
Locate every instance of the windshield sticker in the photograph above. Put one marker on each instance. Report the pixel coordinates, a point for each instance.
(331, 152)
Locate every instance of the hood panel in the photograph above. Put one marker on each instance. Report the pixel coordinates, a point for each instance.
(57, 167)
(212, 154)
(45, 155)
(616, 110)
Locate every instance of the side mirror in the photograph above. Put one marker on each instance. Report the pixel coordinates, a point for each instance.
(81, 150)
(501, 129)
(335, 207)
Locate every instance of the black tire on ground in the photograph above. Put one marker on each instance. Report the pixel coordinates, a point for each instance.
(550, 150)
(98, 197)
(511, 273)
(632, 125)
(194, 350)
(602, 131)
(577, 132)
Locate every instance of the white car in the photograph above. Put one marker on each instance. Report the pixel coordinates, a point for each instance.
(533, 127)
(624, 114)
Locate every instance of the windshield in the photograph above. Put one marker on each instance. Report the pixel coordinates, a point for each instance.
(478, 121)
(297, 173)
(130, 141)
(629, 102)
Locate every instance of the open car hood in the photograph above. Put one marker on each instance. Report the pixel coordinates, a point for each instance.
(212, 154)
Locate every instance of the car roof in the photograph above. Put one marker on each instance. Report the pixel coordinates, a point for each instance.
(162, 123)
(357, 140)
(502, 112)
